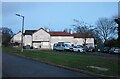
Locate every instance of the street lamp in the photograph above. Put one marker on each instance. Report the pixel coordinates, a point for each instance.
(22, 31)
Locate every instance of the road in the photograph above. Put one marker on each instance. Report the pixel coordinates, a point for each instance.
(14, 66)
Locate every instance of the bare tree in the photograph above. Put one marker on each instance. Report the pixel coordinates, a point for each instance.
(105, 28)
(6, 35)
(83, 29)
(117, 20)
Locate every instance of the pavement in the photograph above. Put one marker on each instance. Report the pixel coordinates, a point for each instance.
(15, 66)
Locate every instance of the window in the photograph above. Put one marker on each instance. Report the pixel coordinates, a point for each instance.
(58, 45)
(63, 45)
(67, 45)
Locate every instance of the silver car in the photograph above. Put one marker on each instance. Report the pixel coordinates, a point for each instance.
(59, 46)
(78, 49)
(114, 50)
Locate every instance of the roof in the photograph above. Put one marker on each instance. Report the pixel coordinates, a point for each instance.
(56, 33)
(82, 36)
(60, 34)
(29, 32)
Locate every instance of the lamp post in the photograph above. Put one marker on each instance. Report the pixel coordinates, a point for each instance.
(22, 31)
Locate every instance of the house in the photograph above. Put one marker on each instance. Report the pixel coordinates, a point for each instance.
(16, 39)
(46, 39)
(80, 39)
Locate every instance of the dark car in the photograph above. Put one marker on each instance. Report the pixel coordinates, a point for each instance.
(106, 49)
(114, 50)
(90, 49)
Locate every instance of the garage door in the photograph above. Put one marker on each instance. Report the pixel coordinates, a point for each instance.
(45, 44)
(37, 45)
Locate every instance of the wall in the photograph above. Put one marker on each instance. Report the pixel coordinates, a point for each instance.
(41, 39)
(90, 42)
(80, 41)
(17, 38)
(27, 40)
(41, 35)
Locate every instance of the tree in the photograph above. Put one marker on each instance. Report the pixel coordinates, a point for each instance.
(105, 28)
(6, 35)
(83, 29)
(117, 20)
(111, 43)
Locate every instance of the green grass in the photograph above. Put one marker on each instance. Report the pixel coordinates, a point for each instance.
(73, 60)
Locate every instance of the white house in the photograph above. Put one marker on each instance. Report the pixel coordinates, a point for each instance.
(17, 37)
(80, 39)
(44, 39)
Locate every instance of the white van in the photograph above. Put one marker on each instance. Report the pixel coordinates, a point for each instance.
(61, 46)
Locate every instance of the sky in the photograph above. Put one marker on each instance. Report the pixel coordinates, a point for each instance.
(54, 15)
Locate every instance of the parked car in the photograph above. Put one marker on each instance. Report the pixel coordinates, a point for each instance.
(114, 50)
(54, 46)
(106, 49)
(61, 46)
(79, 46)
(35, 47)
(78, 49)
(71, 48)
(90, 49)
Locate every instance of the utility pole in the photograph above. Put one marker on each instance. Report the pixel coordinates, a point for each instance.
(22, 31)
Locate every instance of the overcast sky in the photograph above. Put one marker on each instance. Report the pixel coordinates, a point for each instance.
(54, 15)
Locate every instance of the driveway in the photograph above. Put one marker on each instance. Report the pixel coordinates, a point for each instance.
(14, 66)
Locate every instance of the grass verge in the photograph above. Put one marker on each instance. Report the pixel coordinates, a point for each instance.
(70, 59)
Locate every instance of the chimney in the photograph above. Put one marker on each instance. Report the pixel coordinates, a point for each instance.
(70, 31)
(47, 30)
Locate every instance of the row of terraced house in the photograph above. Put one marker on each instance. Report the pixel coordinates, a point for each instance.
(43, 39)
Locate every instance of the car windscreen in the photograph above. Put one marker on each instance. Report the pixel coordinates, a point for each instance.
(67, 45)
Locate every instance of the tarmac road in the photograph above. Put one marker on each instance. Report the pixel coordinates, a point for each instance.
(15, 66)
